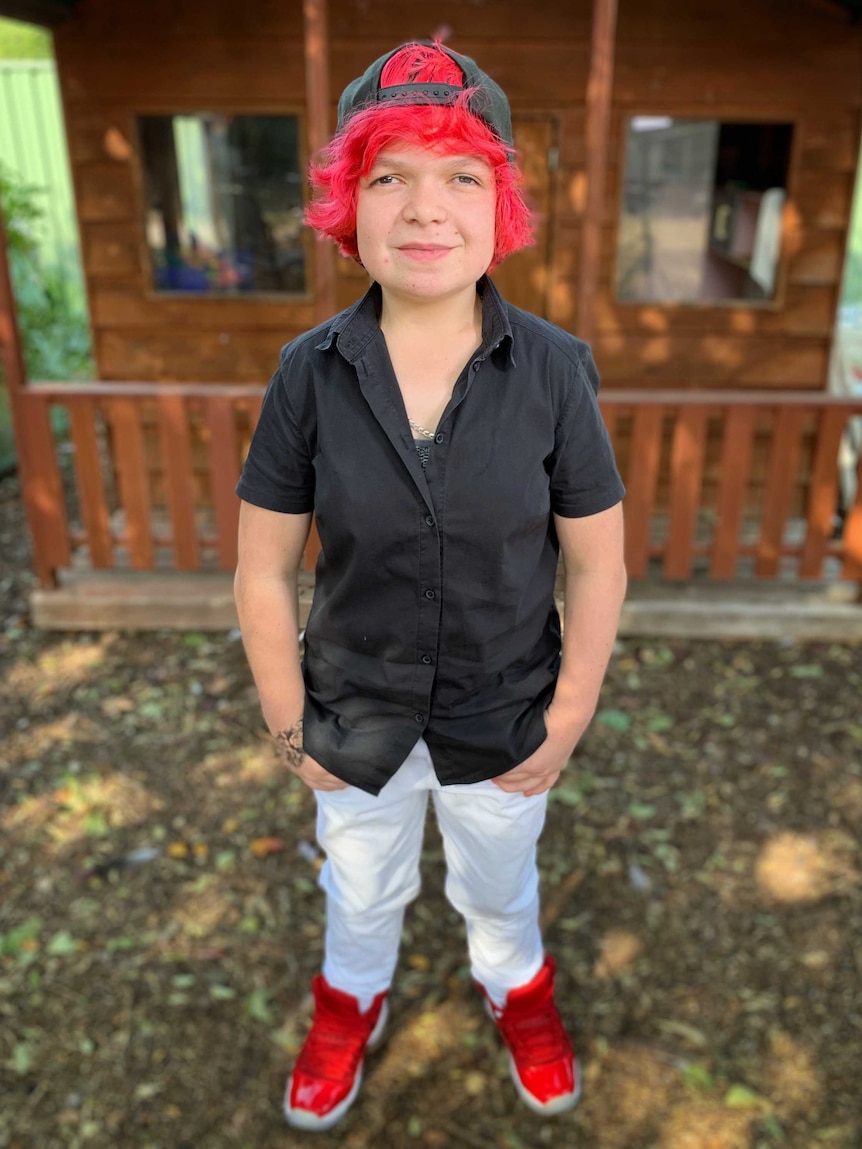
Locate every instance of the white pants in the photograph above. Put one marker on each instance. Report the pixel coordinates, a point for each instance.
(371, 872)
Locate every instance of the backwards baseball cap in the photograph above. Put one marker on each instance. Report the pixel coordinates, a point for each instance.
(486, 99)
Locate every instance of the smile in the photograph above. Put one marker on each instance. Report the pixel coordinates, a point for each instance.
(424, 252)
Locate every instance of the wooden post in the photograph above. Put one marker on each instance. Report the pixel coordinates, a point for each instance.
(599, 89)
(317, 101)
(41, 487)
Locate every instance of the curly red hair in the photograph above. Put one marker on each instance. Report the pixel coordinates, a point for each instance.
(444, 129)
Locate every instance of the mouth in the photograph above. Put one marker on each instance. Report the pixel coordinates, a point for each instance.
(425, 251)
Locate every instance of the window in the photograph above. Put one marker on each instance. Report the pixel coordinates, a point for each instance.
(701, 212)
(224, 203)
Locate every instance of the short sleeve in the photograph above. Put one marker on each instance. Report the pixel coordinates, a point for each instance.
(584, 476)
(278, 474)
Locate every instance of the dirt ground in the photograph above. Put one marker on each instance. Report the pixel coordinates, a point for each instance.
(160, 922)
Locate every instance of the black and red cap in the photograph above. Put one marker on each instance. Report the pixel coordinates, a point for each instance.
(486, 99)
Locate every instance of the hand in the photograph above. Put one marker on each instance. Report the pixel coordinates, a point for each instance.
(290, 750)
(541, 770)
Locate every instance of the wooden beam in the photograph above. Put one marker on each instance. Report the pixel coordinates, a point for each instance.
(317, 102)
(778, 492)
(93, 502)
(598, 119)
(641, 481)
(686, 483)
(734, 472)
(224, 473)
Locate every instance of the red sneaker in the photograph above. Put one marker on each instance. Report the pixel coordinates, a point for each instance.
(541, 1059)
(328, 1071)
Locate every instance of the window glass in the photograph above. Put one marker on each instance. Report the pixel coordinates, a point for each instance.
(701, 212)
(224, 203)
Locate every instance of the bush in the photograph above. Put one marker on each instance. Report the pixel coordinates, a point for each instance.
(52, 316)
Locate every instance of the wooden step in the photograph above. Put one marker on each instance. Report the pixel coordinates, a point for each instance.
(125, 600)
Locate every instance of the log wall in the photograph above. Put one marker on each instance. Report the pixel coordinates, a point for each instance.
(757, 60)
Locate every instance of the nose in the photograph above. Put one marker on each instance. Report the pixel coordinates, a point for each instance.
(424, 205)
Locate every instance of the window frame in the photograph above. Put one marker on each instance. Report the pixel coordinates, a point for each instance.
(219, 108)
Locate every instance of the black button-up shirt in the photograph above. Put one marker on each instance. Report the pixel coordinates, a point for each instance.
(433, 611)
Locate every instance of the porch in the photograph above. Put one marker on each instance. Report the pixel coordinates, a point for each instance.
(743, 512)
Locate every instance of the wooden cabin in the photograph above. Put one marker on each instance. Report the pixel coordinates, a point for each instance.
(692, 164)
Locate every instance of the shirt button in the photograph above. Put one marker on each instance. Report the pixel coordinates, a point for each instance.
(429, 593)
(429, 520)
(438, 438)
(419, 717)
(476, 364)
(427, 659)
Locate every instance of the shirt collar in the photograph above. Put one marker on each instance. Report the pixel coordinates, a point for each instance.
(352, 330)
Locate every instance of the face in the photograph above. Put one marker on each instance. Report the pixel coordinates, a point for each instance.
(425, 222)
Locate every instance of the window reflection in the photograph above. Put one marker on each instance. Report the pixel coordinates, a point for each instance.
(702, 208)
(224, 203)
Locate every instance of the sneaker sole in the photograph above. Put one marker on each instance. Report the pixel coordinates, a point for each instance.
(305, 1118)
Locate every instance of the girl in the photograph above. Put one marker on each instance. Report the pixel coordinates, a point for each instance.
(449, 445)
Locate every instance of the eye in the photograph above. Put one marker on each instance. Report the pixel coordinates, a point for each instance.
(383, 181)
(466, 180)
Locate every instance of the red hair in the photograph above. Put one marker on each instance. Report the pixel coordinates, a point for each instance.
(444, 129)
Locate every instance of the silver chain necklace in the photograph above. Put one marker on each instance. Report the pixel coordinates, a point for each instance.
(422, 430)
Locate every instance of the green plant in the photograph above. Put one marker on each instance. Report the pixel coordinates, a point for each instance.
(20, 41)
(52, 316)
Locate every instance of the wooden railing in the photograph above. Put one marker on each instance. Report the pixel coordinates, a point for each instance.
(142, 477)
(730, 484)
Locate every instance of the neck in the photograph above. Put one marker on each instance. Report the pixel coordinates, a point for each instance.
(432, 318)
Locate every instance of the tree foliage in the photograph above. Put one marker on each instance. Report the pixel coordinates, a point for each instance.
(20, 41)
(51, 312)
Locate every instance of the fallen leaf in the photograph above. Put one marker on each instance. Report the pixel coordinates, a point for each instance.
(614, 719)
(257, 1006)
(61, 944)
(741, 1097)
(263, 847)
(619, 949)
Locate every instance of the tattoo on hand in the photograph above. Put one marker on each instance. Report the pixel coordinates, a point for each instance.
(290, 746)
